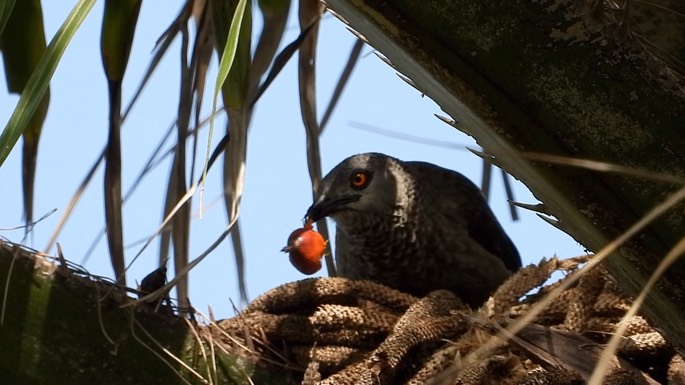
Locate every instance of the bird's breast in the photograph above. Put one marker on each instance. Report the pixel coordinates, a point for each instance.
(384, 251)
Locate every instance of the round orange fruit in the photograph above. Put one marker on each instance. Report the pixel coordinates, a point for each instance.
(306, 248)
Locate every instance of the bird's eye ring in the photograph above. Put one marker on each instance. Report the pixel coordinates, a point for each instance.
(359, 179)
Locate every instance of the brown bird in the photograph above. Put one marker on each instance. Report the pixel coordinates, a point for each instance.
(415, 227)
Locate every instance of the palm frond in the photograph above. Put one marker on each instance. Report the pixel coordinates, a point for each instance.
(310, 12)
(37, 85)
(118, 29)
(23, 44)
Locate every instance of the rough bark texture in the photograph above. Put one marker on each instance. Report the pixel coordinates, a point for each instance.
(53, 332)
(563, 78)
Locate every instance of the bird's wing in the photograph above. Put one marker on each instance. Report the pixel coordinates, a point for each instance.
(462, 202)
(484, 229)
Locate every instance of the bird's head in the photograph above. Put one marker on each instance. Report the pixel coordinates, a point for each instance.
(364, 183)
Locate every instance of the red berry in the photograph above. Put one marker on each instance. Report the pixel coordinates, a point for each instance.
(306, 247)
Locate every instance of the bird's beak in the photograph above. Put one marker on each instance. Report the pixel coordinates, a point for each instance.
(325, 206)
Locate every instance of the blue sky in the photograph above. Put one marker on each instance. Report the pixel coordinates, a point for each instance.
(277, 191)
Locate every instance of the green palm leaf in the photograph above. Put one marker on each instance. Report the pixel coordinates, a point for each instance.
(23, 44)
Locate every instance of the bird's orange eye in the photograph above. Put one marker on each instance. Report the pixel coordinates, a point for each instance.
(359, 179)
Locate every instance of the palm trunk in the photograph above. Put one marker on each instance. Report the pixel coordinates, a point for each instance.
(60, 326)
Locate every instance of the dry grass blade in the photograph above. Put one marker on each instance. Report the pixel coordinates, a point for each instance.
(218, 150)
(211, 374)
(659, 6)
(248, 345)
(182, 201)
(153, 161)
(280, 61)
(674, 63)
(167, 352)
(165, 233)
(352, 60)
(7, 286)
(161, 48)
(72, 203)
(487, 165)
(611, 347)
(29, 225)
(605, 167)
(610, 248)
(663, 43)
(407, 137)
(190, 265)
(275, 14)
(163, 45)
(309, 15)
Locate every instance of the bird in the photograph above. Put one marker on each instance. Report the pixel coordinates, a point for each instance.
(415, 227)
